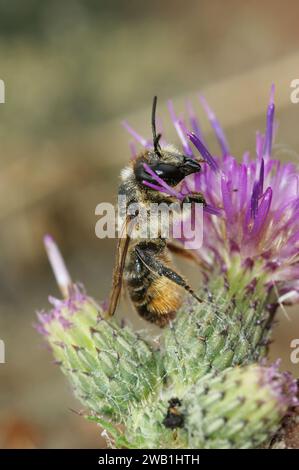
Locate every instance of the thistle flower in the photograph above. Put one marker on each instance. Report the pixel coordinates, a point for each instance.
(250, 246)
(259, 227)
(255, 236)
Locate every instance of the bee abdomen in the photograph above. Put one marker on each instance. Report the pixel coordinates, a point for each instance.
(153, 296)
(137, 284)
(138, 294)
(153, 317)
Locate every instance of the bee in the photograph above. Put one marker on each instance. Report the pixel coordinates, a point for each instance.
(144, 265)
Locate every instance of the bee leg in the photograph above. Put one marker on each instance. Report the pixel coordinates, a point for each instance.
(159, 269)
(195, 197)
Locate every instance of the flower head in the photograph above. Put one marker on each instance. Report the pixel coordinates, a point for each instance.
(74, 296)
(283, 386)
(256, 202)
(237, 408)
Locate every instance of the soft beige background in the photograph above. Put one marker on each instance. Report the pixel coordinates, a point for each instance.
(73, 70)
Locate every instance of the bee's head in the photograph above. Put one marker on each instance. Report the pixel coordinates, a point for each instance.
(168, 163)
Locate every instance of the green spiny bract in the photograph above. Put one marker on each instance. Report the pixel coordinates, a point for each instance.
(237, 408)
(120, 378)
(109, 367)
(224, 330)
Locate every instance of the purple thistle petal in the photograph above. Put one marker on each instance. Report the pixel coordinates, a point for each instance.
(270, 122)
(60, 271)
(62, 310)
(157, 187)
(136, 136)
(246, 158)
(261, 177)
(242, 186)
(255, 199)
(55, 302)
(194, 121)
(65, 323)
(212, 210)
(260, 142)
(227, 200)
(282, 385)
(216, 126)
(43, 317)
(180, 128)
(262, 212)
(203, 151)
(163, 187)
(41, 329)
(294, 239)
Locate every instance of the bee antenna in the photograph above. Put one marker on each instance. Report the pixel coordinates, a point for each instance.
(156, 137)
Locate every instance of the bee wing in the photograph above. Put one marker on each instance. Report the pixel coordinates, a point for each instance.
(121, 253)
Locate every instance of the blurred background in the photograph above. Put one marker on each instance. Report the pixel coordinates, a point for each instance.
(73, 70)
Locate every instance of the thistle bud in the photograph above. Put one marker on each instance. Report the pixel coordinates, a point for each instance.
(109, 367)
(236, 409)
(218, 333)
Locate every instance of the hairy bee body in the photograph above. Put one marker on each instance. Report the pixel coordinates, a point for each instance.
(143, 261)
(155, 297)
